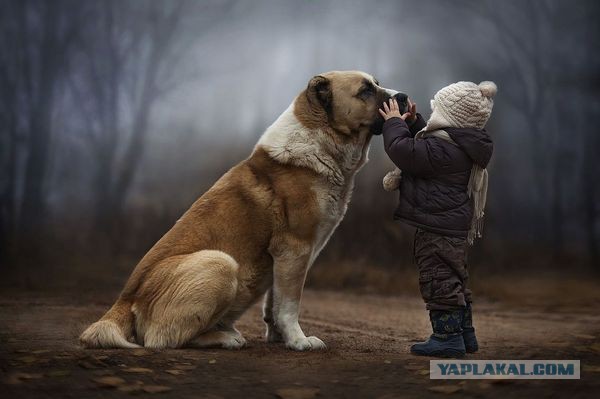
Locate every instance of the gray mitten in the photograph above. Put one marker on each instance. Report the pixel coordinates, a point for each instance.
(391, 180)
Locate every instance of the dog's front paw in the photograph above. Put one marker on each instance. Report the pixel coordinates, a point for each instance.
(306, 344)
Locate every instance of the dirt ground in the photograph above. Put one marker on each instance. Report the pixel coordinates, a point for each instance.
(367, 336)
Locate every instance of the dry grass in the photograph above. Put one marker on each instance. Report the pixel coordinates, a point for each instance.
(549, 291)
(553, 292)
(362, 278)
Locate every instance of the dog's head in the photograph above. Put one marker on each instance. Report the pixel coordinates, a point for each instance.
(347, 102)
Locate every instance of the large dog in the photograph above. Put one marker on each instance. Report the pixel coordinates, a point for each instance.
(256, 232)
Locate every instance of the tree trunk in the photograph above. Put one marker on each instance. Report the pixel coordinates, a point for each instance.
(32, 213)
(7, 197)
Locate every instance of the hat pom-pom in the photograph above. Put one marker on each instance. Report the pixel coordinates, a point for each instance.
(488, 89)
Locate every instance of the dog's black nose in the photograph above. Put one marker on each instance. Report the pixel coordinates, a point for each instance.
(402, 100)
(401, 97)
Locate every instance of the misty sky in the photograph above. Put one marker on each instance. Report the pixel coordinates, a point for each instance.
(261, 54)
(236, 65)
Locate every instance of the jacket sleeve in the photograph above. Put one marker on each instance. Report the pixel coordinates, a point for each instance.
(417, 125)
(409, 155)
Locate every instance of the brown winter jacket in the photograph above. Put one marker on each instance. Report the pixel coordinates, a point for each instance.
(435, 174)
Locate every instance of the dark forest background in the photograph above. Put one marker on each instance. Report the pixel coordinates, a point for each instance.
(116, 115)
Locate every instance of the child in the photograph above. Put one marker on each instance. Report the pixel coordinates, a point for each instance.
(442, 193)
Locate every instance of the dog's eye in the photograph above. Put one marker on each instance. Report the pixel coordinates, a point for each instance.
(366, 92)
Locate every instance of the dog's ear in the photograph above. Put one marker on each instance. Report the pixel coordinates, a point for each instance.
(319, 92)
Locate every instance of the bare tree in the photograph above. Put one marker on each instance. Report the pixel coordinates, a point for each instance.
(36, 45)
(526, 45)
(132, 58)
(10, 64)
(588, 87)
(128, 57)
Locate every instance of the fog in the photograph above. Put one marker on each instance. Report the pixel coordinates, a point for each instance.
(117, 115)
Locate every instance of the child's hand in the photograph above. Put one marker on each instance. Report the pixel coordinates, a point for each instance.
(393, 110)
(412, 108)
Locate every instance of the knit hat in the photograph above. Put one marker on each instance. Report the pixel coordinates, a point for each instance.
(465, 104)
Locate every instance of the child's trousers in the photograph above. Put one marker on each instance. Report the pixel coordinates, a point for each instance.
(442, 263)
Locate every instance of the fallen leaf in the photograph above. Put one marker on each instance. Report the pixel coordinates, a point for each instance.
(197, 356)
(12, 379)
(423, 372)
(500, 381)
(185, 367)
(212, 361)
(592, 369)
(447, 389)
(139, 352)
(130, 388)
(58, 373)
(31, 376)
(17, 378)
(92, 363)
(387, 361)
(27, 359)
(62, 356)
(103, 372)
(110, 381)
(87, 365)
(297, 393)
(595, 347)
(559, 344)
(135, 386)
(141, 370)
(583, 336)
(175, 372)
(156, 388)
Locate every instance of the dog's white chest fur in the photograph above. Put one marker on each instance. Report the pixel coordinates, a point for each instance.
(333, 203)
(288, 141)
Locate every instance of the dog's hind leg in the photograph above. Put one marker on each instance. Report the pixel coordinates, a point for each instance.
(230, 338)
(189, 297)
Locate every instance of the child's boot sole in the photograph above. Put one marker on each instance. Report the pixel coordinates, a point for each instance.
(445, 353)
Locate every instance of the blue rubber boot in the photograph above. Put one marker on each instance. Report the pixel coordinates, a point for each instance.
(469, 337)
(447, 339)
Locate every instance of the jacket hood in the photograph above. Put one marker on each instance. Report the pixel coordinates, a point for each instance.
(477, 143)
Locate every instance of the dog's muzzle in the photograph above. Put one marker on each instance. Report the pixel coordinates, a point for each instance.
(402, 100)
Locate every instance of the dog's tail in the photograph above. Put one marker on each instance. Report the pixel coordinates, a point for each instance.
(112, 330)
